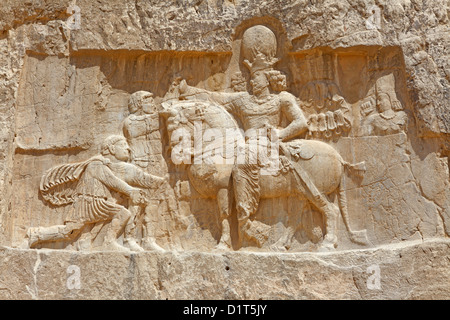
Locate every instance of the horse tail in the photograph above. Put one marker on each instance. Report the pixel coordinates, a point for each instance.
(359, 237)
(357, 169)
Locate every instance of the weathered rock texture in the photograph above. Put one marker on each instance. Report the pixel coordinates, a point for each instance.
(65, 85)
(407, 271)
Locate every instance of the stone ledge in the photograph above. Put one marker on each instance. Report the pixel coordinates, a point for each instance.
(412, 270)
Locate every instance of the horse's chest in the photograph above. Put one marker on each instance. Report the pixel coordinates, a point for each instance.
(207, 179)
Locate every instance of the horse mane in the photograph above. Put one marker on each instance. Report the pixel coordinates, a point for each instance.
(205, 110)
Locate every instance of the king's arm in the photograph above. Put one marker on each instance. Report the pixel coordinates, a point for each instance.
(225, 99)
(298, 124)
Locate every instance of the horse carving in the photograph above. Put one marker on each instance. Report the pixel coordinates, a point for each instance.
(308, 169)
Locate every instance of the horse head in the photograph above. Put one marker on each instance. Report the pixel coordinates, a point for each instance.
(202, 121)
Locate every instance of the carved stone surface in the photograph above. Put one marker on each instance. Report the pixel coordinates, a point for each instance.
(244, 133)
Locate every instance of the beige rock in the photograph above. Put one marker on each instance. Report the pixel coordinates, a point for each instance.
(412, 270)
(221, 146)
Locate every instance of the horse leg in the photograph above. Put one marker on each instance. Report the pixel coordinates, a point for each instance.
(359, 237)
(330, 213)
(224, 213)
(328, 209)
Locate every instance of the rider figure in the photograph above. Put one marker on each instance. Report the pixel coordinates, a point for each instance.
(262, 109)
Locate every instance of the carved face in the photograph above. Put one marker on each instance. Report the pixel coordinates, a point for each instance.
(141, 100)
(121, 150)
(383, 102)
(259, 82)
(148, 103)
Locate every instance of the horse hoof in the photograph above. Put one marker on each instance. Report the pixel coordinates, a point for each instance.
(278, 249)
(327, 246)
(151, 245)
(222, 247)
(133, 246)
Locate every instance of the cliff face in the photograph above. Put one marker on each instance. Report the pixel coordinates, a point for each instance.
(371, 80)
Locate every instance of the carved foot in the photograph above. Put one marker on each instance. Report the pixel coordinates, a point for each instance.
(359, 237)
(33, 236)
(132, 244)
(256, 231)
(151, 245)
(222, 246)
(114, 246)
(328, 244)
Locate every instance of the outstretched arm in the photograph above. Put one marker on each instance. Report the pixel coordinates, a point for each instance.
(105, 175)
(135, 176)
(145, 180)
(225, 99)
(294, 114)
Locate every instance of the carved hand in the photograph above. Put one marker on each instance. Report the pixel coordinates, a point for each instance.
(273, 132)
(163, 180)
(396, 105)
(137, 196)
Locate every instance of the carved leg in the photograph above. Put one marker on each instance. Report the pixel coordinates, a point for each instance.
(130, 230)
(115, 228)
(330, 213)
(65, 232)
(149, 241)
(247, 195)
(224, 213)
(243, 222)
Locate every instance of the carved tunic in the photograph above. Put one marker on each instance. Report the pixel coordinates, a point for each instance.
(137, 130)
(376, 124)
(255, 115)
(94, 201)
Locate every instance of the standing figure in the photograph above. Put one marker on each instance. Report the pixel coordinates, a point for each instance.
(389, 118)
(138, 127)
(141, 129)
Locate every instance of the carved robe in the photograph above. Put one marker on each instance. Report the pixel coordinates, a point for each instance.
(378, 125)
(137, 130)
(89, 185)
(254, 114)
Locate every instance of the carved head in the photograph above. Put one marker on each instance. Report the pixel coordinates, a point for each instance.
(259, 48)
(140, 101)
(264, 78)
(116, 146)
(259, 82)
(185, 119)
(383, 102)
(181, 114)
